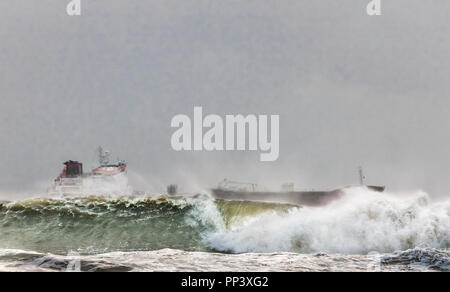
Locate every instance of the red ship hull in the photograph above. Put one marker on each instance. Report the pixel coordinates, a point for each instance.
(109, 169)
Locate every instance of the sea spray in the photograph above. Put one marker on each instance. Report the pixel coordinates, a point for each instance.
(361, 222)
(204, 214)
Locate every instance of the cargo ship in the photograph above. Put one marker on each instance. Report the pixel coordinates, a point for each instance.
(72, 178)
(241, 191)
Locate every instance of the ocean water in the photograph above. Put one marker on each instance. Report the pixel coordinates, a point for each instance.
(363, 231)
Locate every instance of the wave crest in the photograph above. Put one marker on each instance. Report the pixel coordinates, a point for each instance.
(363, 221)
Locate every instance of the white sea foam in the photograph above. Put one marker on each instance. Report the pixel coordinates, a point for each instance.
(204, 212)
(361, 222)
(171, 260)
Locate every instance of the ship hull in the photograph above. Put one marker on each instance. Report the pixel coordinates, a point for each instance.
(300, 198)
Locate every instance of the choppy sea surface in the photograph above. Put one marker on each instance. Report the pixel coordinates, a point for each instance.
(363, 231)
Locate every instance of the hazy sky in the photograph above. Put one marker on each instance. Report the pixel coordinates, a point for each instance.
(350, 89)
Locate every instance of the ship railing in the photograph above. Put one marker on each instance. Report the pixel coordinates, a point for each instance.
(237, 186)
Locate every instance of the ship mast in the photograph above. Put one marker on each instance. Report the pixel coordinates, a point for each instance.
(361, 176)
(103, 156)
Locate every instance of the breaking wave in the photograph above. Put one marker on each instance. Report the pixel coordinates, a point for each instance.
(359, 223)
(96, 224)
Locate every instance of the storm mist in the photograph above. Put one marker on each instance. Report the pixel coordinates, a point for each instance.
(350, 89)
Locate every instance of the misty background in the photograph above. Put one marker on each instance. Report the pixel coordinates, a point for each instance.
(350, 89)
